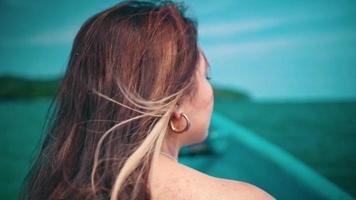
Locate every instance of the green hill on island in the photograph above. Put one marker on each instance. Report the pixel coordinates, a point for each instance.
(18, 87)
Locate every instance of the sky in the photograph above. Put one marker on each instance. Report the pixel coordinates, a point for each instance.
(270, 49)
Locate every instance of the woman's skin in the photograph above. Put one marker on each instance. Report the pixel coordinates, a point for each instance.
(175, 181)
(198, 110)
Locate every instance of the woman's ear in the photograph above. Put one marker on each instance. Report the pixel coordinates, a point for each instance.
(177, 112)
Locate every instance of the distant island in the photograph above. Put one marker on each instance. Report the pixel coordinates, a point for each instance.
(227, 93)
(13, 87)
(18, 87)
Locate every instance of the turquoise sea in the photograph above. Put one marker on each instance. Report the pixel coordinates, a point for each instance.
(320, 134)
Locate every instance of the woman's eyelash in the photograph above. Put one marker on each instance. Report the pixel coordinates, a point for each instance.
(208, 77)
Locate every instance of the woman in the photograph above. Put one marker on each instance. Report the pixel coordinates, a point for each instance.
(135, 91)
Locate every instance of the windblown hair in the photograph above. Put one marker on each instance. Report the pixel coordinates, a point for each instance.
(129, 66)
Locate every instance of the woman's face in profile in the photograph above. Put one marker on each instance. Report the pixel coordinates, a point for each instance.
(199, 110)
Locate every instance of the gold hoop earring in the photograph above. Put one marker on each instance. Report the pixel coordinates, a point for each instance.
(185, 128)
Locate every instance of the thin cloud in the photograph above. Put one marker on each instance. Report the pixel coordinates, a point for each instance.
(242, 26)
(280, 43)
(63, 36)
(54, 37)
(236, 27)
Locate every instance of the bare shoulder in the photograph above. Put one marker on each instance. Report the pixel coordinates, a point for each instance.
(226, 189)
(183, 182)
(232, 189)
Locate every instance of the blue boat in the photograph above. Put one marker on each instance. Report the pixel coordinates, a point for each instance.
(240, 154)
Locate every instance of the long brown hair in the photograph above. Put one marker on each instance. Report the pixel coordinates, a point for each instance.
(129, 66)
